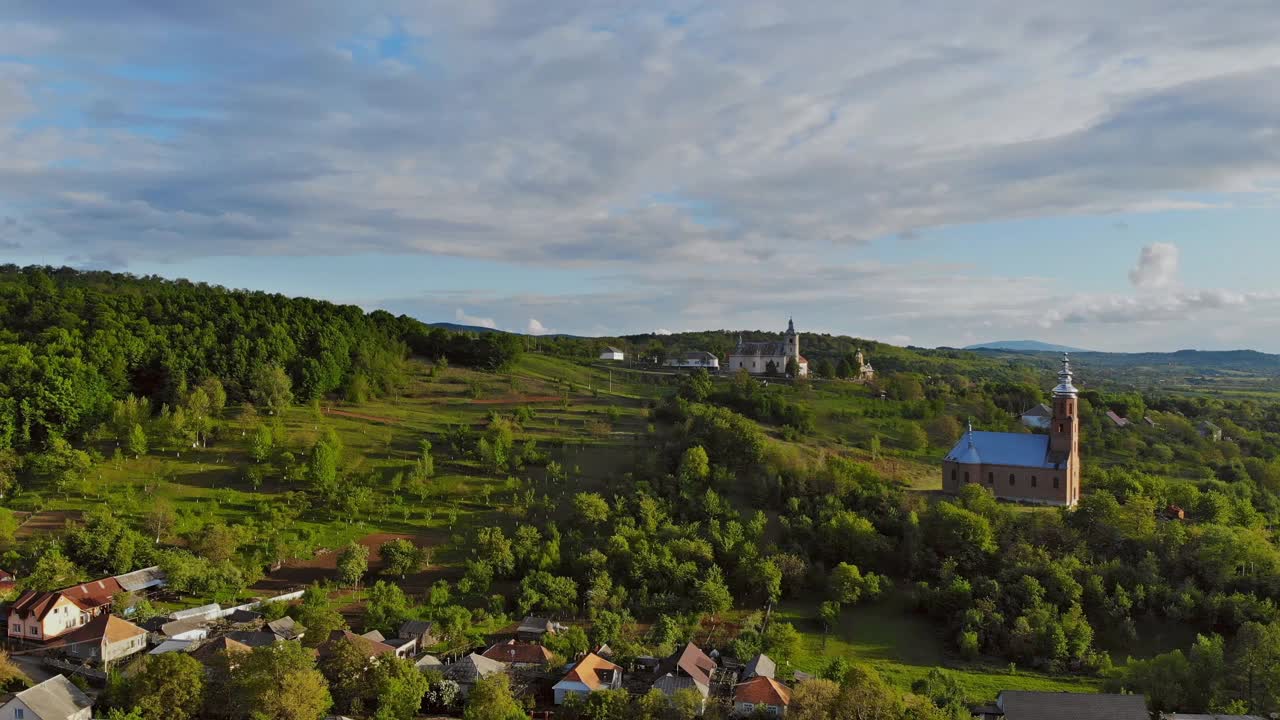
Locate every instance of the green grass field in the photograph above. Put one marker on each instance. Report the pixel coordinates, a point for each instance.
(903, 647)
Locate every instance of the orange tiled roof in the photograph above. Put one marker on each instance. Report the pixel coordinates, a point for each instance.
(762, 690)
(587, 671)
(105, 627)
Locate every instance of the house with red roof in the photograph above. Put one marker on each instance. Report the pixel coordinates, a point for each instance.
(689, 668)
(761, 694)
(591, 674)
(518, 654)
(42, 616)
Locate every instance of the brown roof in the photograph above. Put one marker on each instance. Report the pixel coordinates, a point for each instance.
(692, 662)
(587, 671)
(95, 592)
(371, 648)
(105, 628)
(1028, 705)
(206, 652)
(761, 689)
(38, 604)
(514, 652)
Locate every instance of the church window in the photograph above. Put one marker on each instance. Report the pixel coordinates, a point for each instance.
(1055, 483)
(1013, 479)
(1061, 427)
(1033, 481)
(966, 477)
(991, 478)
(953, 474)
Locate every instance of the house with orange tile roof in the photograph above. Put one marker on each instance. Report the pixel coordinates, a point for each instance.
(518, 654)
(105, 639)
(95, 593)
(43, 616)
(761, 694)
(591, 674)
(687, 668)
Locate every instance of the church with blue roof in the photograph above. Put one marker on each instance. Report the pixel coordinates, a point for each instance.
(1023, 467)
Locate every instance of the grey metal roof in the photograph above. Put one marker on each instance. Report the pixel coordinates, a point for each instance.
(55, 698)
(1209, 716)
(428, 661)
(760, 665)
(142, 579)
(1026, 705)
(670, 684)
(473, 667)
(178, 627)
(765, 349)
(1040, 410)
(997, 448)
(534, 625)
(286, 627)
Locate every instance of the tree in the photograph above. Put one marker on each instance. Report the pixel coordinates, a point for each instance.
(387, 607)
(400, 689)
(848, 585)
(826, 368)
(52, 571)
(278, 682)
(169, 687)
(271, 388)
(261, 445)
(353, 563)
(829, 612)
(590, 508)
(491, 699)
(317, 617)
(815, 699)
(161, 518)
(944, 431)
(137, 441)
(712, 594)
(781, 641)
(792, 368)
(322, 468)
(346, 667)
(401, 557)
(768, 578)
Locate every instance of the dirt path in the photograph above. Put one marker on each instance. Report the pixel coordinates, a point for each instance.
(324, 565)
(46, 521)
(517, 399)
(358, 416)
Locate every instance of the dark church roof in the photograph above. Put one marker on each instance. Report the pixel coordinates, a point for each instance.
(997, 448)
(764, 349)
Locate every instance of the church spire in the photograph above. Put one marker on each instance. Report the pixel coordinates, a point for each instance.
(1065, 388)
(791, 326)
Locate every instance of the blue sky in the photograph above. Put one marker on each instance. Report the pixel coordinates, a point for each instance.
(1102, 175)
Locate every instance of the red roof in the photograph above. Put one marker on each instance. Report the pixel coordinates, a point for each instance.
(38, 604)
(762, 690)
(522, 653)
(95, 592)
(692, 662)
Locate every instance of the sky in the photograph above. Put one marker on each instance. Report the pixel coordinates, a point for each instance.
(1097, 174)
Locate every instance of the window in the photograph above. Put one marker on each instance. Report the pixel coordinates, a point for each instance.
(33, 630)
(1033, 481)
(1012, 480)
(991, 478)
(966, 477)
(1062, 427)
(1055, 483)
(953, 475)
(17, 627)
(18, 714)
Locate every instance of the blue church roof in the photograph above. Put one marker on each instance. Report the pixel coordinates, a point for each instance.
(997, 448)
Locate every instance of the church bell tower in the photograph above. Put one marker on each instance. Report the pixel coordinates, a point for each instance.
(1064, 432)
(793, 340)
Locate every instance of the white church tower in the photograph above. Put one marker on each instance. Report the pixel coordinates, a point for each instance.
(792, 340)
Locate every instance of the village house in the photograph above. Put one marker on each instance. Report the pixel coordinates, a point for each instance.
(7, 582)
(693, 360)
(759, 666)
(43, 616)
(1209, 430)
(763, 358)
(1114, 420)
(590, 674)
(472, 669)
(532, 629)
(212, 652)
(286, 628)
(420, 630)
(1038, 417)
(761, 694)
(53, 699)
(194, 630)
(518, 654)
(369, 647)
(105, 639)
(1034, 468)
(686, 668)
(1028, 705)
(612, 353)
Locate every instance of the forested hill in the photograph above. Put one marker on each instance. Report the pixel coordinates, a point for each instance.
(71, 342)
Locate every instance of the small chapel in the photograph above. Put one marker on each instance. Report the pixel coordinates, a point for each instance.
(1024, 467)
(763, 358)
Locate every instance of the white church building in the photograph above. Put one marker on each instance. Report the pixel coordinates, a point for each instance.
(758, 358)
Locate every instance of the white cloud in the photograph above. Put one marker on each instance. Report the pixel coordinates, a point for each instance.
(662, 331)
(1157, 267)
(466, 319)
(537, 328)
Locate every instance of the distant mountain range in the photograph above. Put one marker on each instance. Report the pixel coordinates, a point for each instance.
(455, 327)
(1024, 346)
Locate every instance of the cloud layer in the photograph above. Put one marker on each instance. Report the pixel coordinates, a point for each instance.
(685, 150)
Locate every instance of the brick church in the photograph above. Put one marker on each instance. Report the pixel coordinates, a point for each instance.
(1035, 468)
